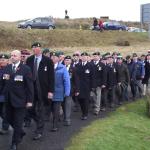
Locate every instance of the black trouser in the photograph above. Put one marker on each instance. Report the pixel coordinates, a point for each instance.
(66, 105)
(5, 124)
(37, 113)
(120, 92)
(15, 117)
(84, 103)
(104, 96)
(111, 95)
(56, 113)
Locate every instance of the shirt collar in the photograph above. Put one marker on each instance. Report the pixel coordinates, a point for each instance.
(16, 65)
(55, 65)
(39, 57)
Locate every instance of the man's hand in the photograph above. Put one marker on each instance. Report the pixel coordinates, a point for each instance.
(103, 86)
(29, 104)
(50, 95)
(119, 83)
(77, 93)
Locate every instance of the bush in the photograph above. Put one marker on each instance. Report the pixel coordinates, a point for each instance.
(121, 42)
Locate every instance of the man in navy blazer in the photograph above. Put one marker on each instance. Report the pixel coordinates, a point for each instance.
(18, 91)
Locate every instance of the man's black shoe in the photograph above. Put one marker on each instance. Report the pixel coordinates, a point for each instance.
(37, 137)
(3, 132)
(67, 123)
(84, 118)
(27, 124)
(22, 135)
(54, 129)
(13, 147)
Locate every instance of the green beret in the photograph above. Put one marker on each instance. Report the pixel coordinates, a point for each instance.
(4, 56)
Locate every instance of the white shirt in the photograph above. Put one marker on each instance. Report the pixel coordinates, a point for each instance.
(84, 63)
(68, 67)
(16, 65)
(39, 58)
(96, 62)
(55, 65)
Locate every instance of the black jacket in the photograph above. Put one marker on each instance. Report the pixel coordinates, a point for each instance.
(45, 75)
(147, 72)
(18, 86)
(100, 74)
(111, 76)
(86, 80)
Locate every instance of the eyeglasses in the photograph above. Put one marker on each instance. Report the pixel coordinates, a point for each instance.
(75, 54)
(23, 56)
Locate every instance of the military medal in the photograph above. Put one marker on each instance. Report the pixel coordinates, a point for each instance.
(45, 69)
(87, 71)
(18, 78)
(6, 76)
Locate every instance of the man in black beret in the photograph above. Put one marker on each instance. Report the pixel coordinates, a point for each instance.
(100, 78)
(46, 52)
(86, 84)
(61, 57)
(67, 100)
(43, 76)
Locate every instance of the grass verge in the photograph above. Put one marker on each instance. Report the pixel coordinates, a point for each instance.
(128, 128)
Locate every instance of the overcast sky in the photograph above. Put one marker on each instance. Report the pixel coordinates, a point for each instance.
(126, 10)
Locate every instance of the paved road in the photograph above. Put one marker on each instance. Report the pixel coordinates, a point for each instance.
(51, 140)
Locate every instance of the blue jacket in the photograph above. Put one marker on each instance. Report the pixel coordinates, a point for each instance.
(62, 83)
(137, 70)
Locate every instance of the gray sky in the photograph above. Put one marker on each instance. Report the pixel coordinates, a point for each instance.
(126, 10)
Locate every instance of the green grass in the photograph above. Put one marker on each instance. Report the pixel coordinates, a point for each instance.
(68, 39)
(128, 128)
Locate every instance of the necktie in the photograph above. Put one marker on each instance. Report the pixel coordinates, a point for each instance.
(14, 68)
(35, 69)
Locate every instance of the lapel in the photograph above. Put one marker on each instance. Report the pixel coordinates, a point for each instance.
(31, 63)
(41, 63)
(19, 67)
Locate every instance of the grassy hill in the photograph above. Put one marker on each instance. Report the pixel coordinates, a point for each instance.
(68, 37)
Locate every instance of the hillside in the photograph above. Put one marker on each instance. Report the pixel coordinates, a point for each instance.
(68, 37)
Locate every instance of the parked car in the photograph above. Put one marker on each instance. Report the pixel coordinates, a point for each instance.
(113, 25)
(38, 23)
(136, 30)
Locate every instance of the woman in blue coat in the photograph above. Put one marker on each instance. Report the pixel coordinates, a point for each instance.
(61, 90)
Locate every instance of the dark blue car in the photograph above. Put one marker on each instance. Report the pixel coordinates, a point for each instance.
(113, 25)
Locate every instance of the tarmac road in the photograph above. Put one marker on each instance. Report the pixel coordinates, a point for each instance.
(51, 140)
